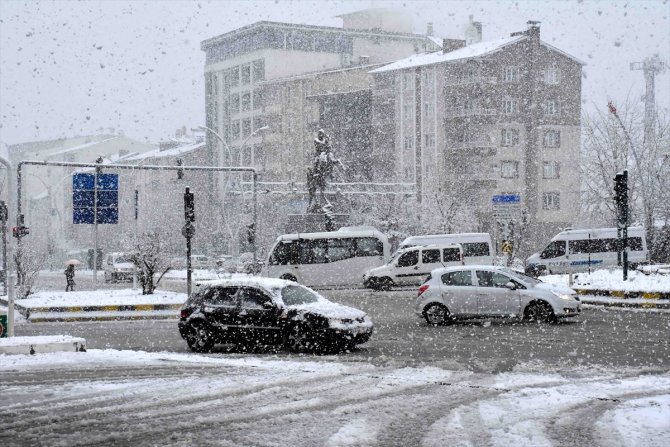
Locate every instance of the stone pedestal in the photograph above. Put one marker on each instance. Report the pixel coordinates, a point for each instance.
(314, 222)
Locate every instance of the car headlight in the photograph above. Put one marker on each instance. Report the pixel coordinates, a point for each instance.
(563, 296)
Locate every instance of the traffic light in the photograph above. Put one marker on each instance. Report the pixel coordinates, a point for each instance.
(621, 197)
(251, 234)
(189, 206)
(180, 172)
(20, 231)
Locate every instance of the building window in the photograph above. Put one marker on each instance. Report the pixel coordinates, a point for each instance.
(408, 81)
(469, 72)
(408, 111)
(289, 95)
(246, 74)
(552, 76)
(428, 76)
(234, 103)
(257, 99)
(258, 67)
(409, 142)
(510, 137)
(235, 129)
(467, 136)
(235, 76)
(429, 139)
(511, 74)
(550, 107)
(550, 169)
(510, 106)
(246, 127)
(552, 138)
(428, 109)
(428, 171)
(551, 201)
(246, 102)
(509, 169)
(258, 122)
(408, 173)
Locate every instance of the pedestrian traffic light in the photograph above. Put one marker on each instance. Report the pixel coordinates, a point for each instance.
(621, 197)
(20, 231)
(189, 206)
(251, 234)
(180, 172)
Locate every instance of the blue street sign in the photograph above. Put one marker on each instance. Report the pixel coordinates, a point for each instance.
(507, 198)
(83, 196)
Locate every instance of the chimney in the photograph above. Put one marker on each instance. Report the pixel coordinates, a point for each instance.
(473, 31)
(533, 30)
(363, 60)
(449, 45)
(429, 29)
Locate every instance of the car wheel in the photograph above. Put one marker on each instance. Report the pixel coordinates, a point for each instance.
(436, 314)
(539, 312)
(385, 283)
(288, 277)
(296, 339)
(107, 277)
(200, 337)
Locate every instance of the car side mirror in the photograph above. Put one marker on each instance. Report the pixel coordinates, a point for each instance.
(268, 305)
(510, 285)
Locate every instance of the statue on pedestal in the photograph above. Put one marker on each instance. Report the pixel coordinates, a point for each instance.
(320, 172)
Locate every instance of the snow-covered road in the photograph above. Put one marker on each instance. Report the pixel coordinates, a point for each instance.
(128, 397)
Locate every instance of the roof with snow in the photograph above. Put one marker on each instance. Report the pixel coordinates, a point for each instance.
(471, 51)
(157, 153)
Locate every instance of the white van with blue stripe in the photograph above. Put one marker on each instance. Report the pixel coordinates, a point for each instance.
(573, 251)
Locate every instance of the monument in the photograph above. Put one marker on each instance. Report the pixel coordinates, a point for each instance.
(320, 215)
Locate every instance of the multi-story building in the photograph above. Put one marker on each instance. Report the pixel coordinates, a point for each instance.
(255, 95)
(491, 118)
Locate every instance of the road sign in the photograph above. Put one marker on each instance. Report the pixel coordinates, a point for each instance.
(3, 326)
(506, 207)
(83, 194)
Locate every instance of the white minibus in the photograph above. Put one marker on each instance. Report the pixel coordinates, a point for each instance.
(477, 247)
(411, 266)
(335, 258)
(573, 251)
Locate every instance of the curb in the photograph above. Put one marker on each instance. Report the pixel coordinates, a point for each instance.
(620, 298)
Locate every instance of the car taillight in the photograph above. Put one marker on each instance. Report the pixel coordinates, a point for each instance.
(422, 289)
(185, 313)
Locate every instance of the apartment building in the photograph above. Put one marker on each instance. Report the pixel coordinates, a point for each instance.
(490, 118)
(255, 97)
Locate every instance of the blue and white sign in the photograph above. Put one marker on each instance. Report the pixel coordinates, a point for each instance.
(507, 199)
(83, 194)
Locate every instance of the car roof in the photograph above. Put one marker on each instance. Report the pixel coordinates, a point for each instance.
(247, 281)
(441, 270)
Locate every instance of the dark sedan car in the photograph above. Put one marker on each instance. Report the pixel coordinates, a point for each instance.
(255, 310)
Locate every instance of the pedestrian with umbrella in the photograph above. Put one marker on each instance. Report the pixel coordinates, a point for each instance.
(69, 274)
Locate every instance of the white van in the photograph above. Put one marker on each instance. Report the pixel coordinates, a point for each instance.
(118, 267)
(411, 266)
(335, 258)
(477, 247)
(573, 251)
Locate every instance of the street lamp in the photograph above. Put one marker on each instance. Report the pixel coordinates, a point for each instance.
(260, 129)
(218, 137)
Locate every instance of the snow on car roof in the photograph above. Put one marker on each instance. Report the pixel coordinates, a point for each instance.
(253, 281)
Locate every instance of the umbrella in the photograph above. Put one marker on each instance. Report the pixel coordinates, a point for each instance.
(72, 262)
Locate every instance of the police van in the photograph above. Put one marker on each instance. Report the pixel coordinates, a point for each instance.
(573, 251)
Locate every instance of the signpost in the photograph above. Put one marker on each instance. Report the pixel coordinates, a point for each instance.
(188, 231)
(506, 209)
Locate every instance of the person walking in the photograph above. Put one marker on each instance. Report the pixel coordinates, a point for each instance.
(69, 277)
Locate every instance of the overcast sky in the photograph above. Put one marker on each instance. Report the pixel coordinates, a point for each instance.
(74, 67)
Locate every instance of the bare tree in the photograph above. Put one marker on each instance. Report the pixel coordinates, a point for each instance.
(150, 261)
(28, 265)
(610, 146)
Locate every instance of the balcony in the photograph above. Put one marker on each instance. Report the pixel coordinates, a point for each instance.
(474, 80)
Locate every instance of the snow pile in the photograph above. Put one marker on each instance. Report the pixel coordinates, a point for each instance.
(612, 279)
(123, 297)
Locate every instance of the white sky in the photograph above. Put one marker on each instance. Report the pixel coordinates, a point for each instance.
(72, 68)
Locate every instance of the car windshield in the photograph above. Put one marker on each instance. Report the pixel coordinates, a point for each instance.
(292, 295)
(521, 276)
(122, 259)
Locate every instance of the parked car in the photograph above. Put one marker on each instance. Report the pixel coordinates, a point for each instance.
(255, 310)
(197, 262)
(491, 291)
(118, 267)
(411, 266)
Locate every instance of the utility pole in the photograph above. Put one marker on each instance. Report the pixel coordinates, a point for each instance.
(650, 67)
(621, 200)
(188, 231)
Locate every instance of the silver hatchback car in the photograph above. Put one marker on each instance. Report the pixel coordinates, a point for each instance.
(476, 291)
